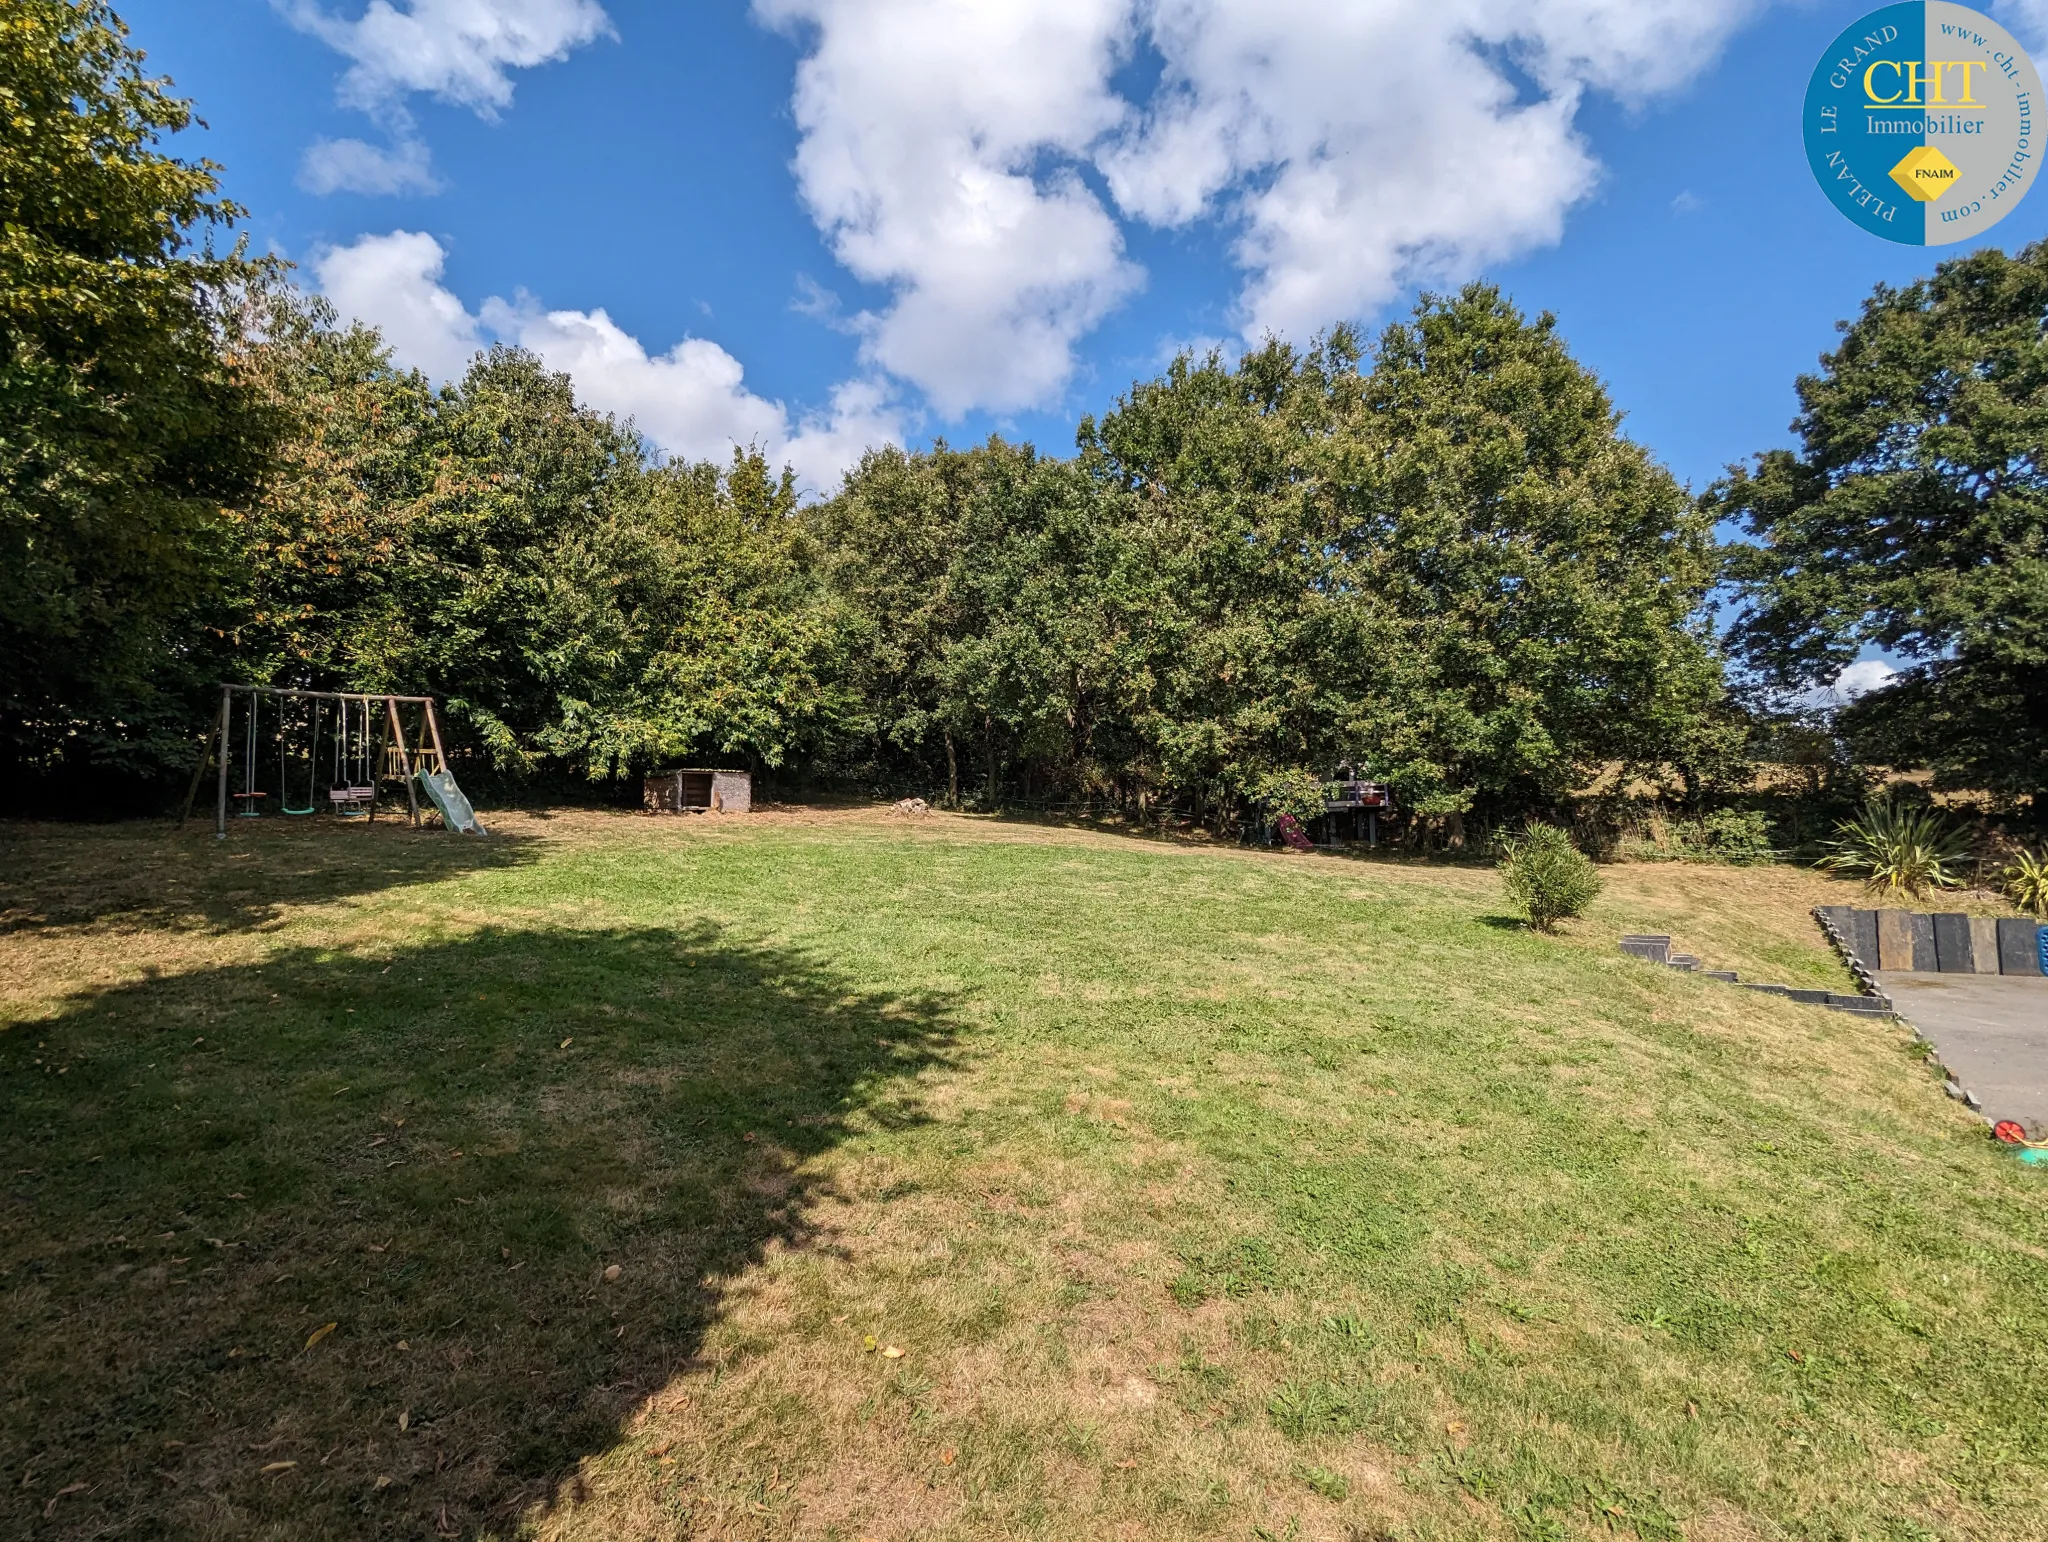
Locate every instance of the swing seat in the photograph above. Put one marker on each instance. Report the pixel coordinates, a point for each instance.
(252, 804)
(351, 799)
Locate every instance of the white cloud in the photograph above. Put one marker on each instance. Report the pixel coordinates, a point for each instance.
(1857, 679)
(941, 140)
(1863, 677)
(394, 284)
(2027, 18)
(351, 166)
(1368, 146)
(691, 401)
(459, 50)
(1358, 146)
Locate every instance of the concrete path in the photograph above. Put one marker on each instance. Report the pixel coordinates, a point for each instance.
(1991, 1031)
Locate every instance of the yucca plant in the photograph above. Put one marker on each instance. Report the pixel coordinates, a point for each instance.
(1898, 849)
(2025, 881)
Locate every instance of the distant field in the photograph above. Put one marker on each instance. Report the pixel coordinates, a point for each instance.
(971, 1180)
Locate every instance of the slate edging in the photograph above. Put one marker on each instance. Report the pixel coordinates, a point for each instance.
(1656, 949)
(1868, 981)
(1865, 975)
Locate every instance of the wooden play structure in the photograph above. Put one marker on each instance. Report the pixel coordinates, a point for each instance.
(1364, 801)
(352, 742)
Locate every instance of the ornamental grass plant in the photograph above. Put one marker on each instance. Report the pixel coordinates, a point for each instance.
(2025, 882)
(1898, 849)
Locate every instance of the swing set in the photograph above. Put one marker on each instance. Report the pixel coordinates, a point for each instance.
(365, 744)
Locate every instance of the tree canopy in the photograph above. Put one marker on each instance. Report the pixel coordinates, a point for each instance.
(1914, 517)
(1444, 563)
(126, 430)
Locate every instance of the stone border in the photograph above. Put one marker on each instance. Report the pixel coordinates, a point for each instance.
(1868, 981)
(1845, 947)
(1656, 948)
(1941, 942)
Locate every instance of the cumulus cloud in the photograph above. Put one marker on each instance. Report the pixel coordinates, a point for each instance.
(1854, 680)
(351, 166)
(1367, 146)
(459, 50)
(1863, 677)
(1356, 146)
(691, 401)
(941, 153)
(393, 283)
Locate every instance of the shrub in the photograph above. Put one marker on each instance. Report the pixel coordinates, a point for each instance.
(1547, 876)
(2025, 882)
(1738, 836)
(1898, 849)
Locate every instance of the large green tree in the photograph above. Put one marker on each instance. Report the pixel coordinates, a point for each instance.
(1445, 563)
(1914, 517)
(500, 546)
(127, 429)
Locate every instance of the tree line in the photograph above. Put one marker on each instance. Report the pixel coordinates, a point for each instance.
(1431, 553)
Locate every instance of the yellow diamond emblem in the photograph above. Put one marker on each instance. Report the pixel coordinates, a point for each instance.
(1925, 173)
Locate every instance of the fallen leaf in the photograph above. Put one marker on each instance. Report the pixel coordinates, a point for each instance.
(1796, 1357)
(1125, 1466)
(660, 1449)
(892, 1353)
(383, 1480)
(838, 1320)
(237, 1353)
(946, 1458)
(566, 1042)
(238, 1196)
(279, 1466)
(611, 1271)
(748, 1136)
(1455, 1427)
(319, 1333)
(403, 1345)
(404, 1419)
(868, 1343)
(504, 1252)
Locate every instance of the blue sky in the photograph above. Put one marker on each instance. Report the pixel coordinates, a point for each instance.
(776, 194)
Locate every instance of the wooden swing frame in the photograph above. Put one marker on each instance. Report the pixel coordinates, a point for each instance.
(219, 749)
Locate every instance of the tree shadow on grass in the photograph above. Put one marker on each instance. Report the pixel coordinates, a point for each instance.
(164, 878)
(442, 1157)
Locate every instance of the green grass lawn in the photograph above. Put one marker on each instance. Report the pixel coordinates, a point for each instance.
(845, 1176)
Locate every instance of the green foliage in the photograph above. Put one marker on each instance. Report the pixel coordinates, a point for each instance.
(1738, 837)
(503, 547)
(1915, 517)
(1548, 877)
(1898, 849)
(126, 426)
(1446, 561)
(1291, 790)
(2025, 882)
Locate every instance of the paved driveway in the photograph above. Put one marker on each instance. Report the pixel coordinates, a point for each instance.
(1991, 1031)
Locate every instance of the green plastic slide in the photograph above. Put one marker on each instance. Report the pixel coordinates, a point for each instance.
(442, 792)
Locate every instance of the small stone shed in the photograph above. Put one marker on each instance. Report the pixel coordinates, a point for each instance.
(697, 790)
